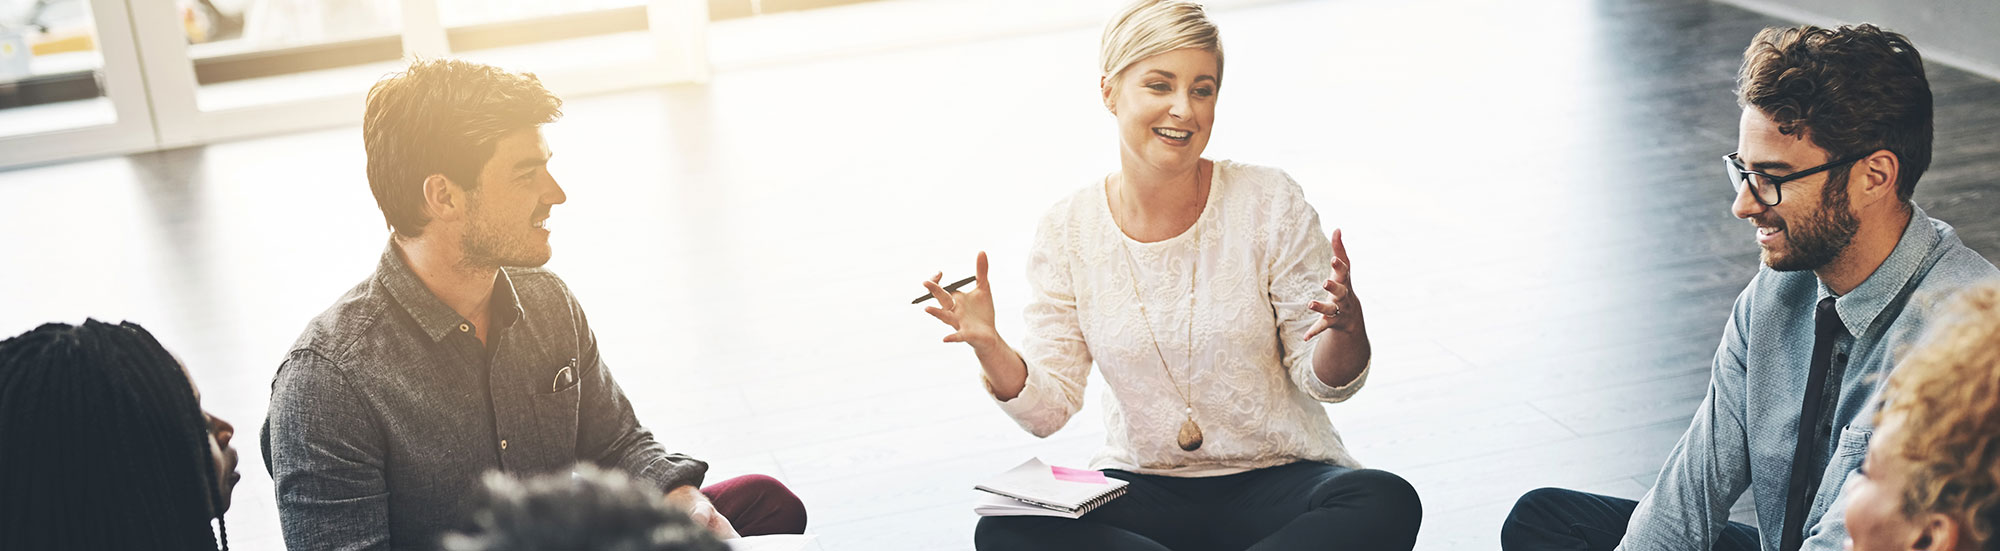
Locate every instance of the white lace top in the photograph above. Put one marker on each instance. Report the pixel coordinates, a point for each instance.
(1261, 259)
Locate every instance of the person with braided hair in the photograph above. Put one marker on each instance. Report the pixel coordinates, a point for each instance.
(104, 445)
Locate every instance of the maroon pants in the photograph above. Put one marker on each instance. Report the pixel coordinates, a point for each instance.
(758, 505)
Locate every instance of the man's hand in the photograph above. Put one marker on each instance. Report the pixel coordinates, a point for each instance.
(690, 499)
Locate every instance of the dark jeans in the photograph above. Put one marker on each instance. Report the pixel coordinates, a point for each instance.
(758, 505)
(1554, 518)
(1303, 505)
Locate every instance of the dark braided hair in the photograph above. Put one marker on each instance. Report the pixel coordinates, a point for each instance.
(102, 444)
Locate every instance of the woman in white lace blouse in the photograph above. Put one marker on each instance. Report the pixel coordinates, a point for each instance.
(1220, 316)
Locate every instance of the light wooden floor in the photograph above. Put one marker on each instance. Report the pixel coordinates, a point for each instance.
(1529, 191)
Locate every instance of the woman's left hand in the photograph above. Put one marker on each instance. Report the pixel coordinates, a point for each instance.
(1342, 312)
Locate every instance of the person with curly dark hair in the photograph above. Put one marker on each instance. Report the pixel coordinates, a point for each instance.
(1931, 481)
(104, 445)
(592, 510)
(1834, 133)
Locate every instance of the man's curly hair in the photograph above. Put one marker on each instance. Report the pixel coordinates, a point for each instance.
(1851, 90)
(591, 510)
(1947, 394)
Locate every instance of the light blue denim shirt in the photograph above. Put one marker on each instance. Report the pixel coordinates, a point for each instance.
(1744, 434)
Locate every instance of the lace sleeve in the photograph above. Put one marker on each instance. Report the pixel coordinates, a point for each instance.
(1301, 260)
(1057, 359)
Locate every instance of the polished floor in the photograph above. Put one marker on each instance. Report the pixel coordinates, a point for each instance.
(1529, 190)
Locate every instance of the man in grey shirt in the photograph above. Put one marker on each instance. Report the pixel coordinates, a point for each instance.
(1835, 131)
(460, 355)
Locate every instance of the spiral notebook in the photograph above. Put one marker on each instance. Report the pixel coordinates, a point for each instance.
(1037, 489)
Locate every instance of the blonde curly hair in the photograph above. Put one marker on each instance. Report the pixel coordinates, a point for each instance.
(1947, 392)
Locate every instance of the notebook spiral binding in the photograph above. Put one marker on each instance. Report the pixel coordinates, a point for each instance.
(1100, 500)
(1080, 509)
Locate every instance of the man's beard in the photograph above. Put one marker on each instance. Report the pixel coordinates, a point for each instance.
(490, 243)
(1817, 239)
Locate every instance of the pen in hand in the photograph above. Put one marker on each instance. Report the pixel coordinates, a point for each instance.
(948, 288)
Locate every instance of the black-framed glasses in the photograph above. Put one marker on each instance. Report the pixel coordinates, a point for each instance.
(1765, 187)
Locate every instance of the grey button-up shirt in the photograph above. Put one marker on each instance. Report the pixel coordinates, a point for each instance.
(1743, 436)
(388, 409)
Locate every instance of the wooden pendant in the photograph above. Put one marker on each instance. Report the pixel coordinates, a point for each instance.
(1190, 435)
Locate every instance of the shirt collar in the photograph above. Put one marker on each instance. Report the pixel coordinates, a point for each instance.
(1859, 307)
(506, 303)
(431, 314)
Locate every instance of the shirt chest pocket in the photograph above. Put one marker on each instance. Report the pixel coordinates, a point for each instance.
(557, 397)
(565, 378)
(549, 434)
(1847, 456)
(1853, 445)
(555, 404)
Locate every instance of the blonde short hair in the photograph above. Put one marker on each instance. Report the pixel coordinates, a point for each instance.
(1947, 391)
(1152, 27)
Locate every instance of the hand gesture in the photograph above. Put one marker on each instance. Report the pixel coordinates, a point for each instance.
(1342, 312)
(969, 313)
(702, 511)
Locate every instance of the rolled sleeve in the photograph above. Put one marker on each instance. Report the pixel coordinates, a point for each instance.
(1319, 390)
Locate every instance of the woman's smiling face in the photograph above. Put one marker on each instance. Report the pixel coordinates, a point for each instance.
(1165, 106)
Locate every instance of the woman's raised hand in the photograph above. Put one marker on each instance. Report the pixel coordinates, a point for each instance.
(969, 313)
(1343, 311)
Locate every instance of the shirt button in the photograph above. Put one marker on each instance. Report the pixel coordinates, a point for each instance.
(464, 327)
(503, 444)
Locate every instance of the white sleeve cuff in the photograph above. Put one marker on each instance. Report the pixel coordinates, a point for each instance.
(1323, 392)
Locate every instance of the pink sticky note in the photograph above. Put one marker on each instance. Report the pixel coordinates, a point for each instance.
(1079, 475)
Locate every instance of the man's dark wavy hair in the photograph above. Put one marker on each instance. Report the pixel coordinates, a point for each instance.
(1851, 90)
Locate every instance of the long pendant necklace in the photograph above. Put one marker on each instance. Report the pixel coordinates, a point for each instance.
(1190, 435)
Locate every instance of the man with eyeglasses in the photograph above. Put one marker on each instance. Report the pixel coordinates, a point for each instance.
(1835, 131)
